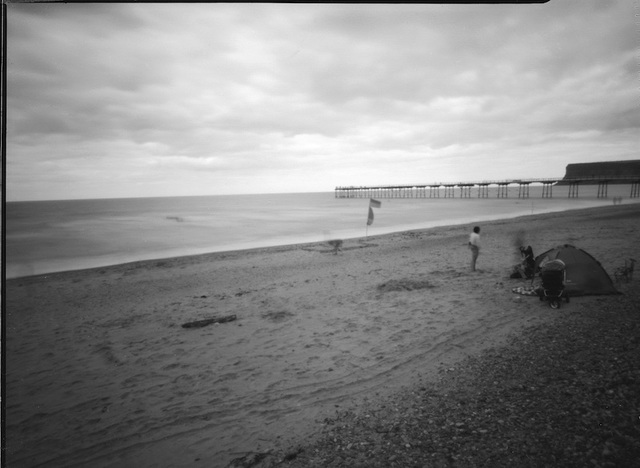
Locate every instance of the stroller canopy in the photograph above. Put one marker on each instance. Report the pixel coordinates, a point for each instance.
(584, 274)
(553, 265)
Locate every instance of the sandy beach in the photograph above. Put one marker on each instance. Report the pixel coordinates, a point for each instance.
(100, 371)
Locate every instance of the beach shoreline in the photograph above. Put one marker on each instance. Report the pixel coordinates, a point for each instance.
(320, 245)
(101, 372)
(104, 235)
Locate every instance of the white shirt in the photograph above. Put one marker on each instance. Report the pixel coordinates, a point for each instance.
(474, 239)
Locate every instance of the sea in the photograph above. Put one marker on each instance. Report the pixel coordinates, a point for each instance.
(60, 235)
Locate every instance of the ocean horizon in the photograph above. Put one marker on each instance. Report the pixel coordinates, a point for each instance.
(60, 235)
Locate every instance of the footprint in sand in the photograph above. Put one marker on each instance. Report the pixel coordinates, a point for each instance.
(107, 353)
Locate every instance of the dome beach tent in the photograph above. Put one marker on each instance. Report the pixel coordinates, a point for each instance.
(584, 274)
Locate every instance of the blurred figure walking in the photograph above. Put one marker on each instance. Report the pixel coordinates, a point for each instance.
(474, 245)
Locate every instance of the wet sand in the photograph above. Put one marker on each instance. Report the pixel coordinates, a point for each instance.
(100, 371)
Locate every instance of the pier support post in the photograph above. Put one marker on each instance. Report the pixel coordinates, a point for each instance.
(602, 189)
(547, 190)
(503, 190)
(573, 189)
(465, 191)
(483, 190)
(635, 189)
(523, 190)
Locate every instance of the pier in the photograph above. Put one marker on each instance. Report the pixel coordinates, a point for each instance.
(480, 189)
(445, 190)
(601, 174)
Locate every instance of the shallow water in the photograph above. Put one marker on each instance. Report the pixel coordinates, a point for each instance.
(49, 236)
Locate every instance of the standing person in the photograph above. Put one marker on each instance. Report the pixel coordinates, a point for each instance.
(474, 245)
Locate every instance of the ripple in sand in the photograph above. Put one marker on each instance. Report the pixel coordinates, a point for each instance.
(404, 285)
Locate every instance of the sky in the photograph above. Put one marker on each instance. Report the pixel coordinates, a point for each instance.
(145, 100)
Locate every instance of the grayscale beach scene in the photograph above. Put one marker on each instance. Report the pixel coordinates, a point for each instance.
(321, 235)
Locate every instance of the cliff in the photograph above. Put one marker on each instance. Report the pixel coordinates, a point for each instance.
(603, 170)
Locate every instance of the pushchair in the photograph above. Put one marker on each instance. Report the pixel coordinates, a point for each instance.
(553, 275)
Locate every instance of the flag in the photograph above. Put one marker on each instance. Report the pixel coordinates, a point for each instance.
(372, 204)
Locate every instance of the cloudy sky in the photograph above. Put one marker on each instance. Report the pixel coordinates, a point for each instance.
(129, 100)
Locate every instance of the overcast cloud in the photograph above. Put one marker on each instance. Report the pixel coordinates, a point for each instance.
(122, 100)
